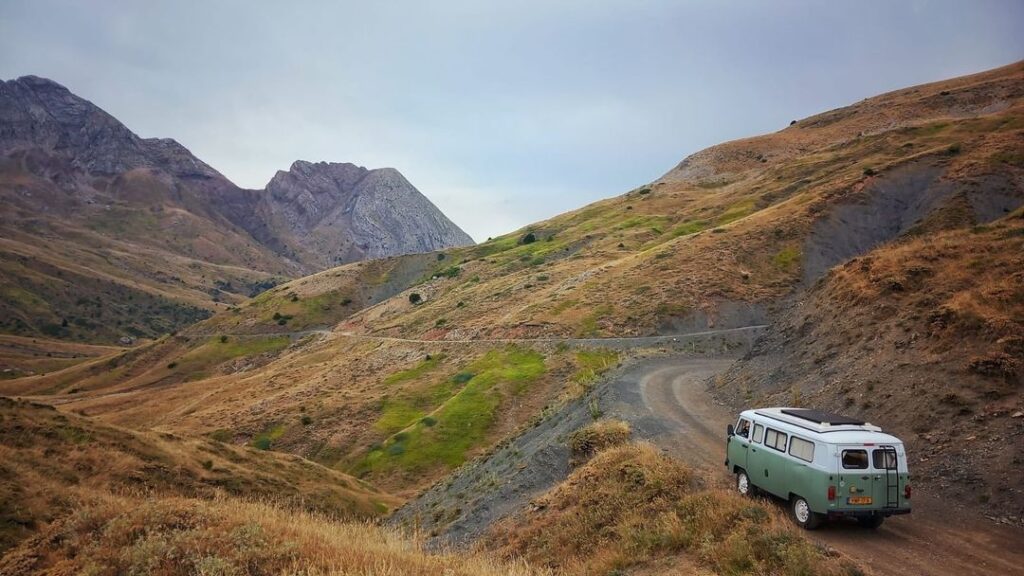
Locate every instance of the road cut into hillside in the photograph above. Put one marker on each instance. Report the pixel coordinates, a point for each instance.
(666, 401)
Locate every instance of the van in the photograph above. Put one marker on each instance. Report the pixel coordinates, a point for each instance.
(825, 465)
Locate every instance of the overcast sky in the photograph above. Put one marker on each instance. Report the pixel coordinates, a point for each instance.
(502, 113)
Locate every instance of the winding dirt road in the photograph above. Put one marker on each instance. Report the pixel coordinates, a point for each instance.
(667, 403)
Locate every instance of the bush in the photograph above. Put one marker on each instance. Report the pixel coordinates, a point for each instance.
(586, 442)
(954, 149)
(869, 171)
(306, 420)
(223, 338)
(530, 238)
(172, 365)
(415, 298)
(346, 301)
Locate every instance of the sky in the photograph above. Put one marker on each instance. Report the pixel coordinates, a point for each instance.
(502, 113)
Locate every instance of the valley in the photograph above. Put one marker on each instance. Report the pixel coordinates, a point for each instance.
(554, 399)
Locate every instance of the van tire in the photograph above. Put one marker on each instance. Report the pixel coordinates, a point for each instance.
(871, 522)
(802, 514)
(743, 485)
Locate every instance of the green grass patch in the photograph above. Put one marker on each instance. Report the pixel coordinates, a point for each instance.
(444, 437)
(396, 415)
(689, 227)
(592, 363)
(213, 352)
(265, 440)
(563, 306)
(788, 258)
(736, 211)
(588, 327)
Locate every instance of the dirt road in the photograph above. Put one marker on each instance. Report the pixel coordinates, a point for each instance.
(666, 401)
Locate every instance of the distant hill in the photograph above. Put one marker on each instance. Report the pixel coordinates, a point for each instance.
(105, 234)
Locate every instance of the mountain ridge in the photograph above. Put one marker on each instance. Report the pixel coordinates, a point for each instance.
(80, 187)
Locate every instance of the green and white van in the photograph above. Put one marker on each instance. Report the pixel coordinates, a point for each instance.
(825, 465)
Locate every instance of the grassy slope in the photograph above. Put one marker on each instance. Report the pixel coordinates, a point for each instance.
(632, 507)
(51, 461)
(22, 356)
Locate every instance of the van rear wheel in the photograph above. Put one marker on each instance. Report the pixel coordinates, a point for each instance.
(802, 514)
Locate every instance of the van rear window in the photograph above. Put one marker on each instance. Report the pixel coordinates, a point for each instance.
(855, 459)
(884, 459)
(802, 449)
(777, 440)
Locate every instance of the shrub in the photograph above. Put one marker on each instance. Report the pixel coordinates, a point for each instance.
(306, 420)
(530, 238)
(223, 338)
(346, 301)
(207, 464)
(589, 440)
(954, 149)
(415, 298)
(172, 365)
(440, 256)
(869, 171)
(429, 421)
(644, 191)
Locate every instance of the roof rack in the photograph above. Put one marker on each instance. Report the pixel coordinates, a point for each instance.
(817, 420)
(822, 417)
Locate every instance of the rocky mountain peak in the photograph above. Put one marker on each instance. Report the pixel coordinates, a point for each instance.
(37, 113)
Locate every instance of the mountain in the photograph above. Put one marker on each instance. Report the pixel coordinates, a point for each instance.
(107, 235)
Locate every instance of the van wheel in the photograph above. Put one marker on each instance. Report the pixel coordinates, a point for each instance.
(743, 485)
(802, 514)
(871, 522)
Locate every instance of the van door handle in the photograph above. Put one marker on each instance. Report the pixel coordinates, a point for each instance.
(754, 449)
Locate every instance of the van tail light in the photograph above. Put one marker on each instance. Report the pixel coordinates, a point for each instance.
(832, 492)
(906, 491)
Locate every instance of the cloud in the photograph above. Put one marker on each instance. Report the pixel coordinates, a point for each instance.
(502, 113)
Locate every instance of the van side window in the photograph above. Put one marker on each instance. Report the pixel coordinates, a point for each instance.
(758, 433)
(802, 449)
(777, 440)
(883, 459)
(855, 459)
(744, 428)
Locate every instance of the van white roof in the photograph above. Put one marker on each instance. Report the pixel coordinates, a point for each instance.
(838, 428)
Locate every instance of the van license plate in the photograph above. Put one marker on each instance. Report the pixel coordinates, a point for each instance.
(860, 500)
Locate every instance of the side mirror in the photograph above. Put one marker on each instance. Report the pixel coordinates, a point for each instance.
(729, 430)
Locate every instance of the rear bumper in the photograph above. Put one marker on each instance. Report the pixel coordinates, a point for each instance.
(886, 512)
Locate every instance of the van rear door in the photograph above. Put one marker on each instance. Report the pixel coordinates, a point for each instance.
(856, 478)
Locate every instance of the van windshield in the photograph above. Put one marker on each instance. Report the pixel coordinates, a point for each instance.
(855, 459)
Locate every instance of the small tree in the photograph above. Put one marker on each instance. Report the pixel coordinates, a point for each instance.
(415, 298)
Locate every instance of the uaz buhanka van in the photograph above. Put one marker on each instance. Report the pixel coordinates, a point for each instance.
(825, 465)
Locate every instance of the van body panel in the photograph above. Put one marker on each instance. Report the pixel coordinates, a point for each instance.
(867, 468)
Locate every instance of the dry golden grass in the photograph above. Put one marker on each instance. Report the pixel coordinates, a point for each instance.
(49, 459)
(633, 507)
(115, 535)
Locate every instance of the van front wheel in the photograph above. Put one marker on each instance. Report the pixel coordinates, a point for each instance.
(743, 485)
(802, 514)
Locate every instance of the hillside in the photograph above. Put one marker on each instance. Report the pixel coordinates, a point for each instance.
(880, 242)
(925, 335)
(717, 247)
(105, 234)
(46, 453)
